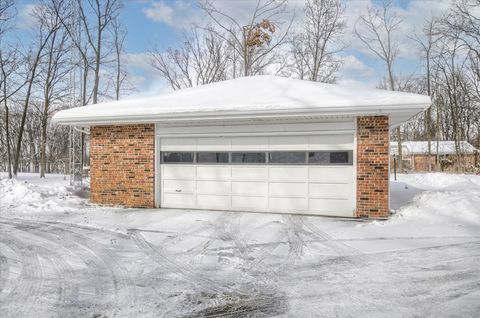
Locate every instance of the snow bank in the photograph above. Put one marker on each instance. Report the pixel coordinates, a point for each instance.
(441, 181)
(446, 198)
(46, 195)
(459, 207)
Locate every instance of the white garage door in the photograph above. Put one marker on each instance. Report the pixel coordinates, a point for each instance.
(287, 174)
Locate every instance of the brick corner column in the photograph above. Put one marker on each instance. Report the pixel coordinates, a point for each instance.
(372, 167)
(123, 165)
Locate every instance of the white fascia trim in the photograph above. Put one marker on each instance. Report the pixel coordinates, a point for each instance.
(236, 115)
(261, 134)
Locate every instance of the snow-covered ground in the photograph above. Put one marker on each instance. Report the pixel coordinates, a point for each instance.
(61, 256)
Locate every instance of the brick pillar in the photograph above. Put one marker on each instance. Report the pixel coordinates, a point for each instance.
(372, 166)
(122, 165)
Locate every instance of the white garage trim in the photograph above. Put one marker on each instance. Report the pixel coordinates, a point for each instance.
(220, 129)
(158, 176)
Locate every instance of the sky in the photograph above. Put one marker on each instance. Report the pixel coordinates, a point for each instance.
(161, 23)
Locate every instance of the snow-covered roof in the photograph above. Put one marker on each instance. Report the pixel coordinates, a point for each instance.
(250, 98)
(421, 147)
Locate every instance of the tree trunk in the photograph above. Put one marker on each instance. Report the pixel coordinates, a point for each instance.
(428, 116)
(43, 141)
(7, 137)
(437, 156)
(400, 152)
(429, 137)
(16, 158)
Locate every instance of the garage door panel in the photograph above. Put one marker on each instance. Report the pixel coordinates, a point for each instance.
(217, 202)
(213, 187)
(247, 187)
(182, 186)
(249, 173)
(208, 144)
(331, 174)
(178, 144)
(330, 142)
(249, 143)
(213, 172)
(288, 188)
(254, 203)
(287, 173)
(287, 204)
(182, 172)
(330, 189)
(288, 143)
(174, 200)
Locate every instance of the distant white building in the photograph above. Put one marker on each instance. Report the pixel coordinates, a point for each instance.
(415, 154)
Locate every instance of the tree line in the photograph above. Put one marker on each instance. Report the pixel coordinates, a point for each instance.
(71, 57)
(76, 57)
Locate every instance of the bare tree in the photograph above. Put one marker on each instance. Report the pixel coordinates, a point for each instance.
(314, 49)
(426, 43)
(55, 67)
(6, 7)
(203, 58)
(9, 85)
(8, 65)
(466, 22)
(119, 35)
(90, 18)
(378, 28)
(255, 42)
(48, 25)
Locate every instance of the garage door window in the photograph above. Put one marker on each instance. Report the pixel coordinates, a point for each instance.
(177, 157)
(212, 157)
(330, 157)
(249, 157)
(284, 157)
(253, 157)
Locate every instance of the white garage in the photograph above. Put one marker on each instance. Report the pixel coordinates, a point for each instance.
(305, 171)
(260, 143)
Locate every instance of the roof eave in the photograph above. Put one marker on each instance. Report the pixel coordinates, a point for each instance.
(411, 110)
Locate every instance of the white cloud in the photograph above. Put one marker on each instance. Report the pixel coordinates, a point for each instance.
(160, 12)
(139, 61)
(26, 20)
(351, 64)
(355, 71)
(177, 14)
(143, 76)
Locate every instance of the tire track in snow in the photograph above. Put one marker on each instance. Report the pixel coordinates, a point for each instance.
(48, 251)
(121, 281)
(4, 270)
(185, 272)
(97, 258)
(336, 245)
(29, 283)
(35, 234)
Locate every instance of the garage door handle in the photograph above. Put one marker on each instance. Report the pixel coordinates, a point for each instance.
(178, 190)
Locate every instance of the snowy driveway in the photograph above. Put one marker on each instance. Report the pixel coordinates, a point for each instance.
(62, 257)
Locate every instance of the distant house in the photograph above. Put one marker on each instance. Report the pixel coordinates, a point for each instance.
(415, 155)
(260, 143)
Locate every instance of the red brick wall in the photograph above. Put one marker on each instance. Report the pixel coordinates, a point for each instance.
(372, 167)
(122, 165)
